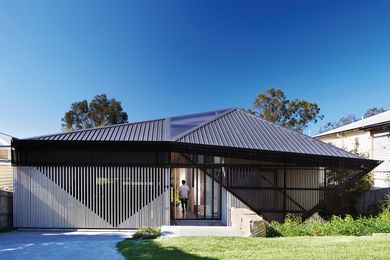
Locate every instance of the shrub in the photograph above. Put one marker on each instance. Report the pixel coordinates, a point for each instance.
(147, 233)
(347, 226)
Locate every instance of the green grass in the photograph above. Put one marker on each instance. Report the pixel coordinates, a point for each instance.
(336, 247)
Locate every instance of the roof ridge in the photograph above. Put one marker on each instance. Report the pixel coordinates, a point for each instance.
(302, 134)
(189, 131)
(94, 128)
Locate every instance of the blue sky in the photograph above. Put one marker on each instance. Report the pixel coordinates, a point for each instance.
(165, 58)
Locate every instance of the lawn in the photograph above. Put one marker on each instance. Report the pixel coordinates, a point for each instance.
(337, 247)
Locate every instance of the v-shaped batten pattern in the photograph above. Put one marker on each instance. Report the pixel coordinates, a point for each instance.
(113, 193)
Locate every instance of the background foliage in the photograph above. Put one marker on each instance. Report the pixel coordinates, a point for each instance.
(101, 111)
(295, 114)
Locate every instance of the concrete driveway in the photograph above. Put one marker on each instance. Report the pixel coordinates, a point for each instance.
(61, 245)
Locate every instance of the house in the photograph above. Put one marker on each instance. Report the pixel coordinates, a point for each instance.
(369, 137)
(128, 175)
(6, 175)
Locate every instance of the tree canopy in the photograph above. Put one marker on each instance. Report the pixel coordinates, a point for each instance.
(274, 106)
(373, 111)
(345, 120)
(101, 111)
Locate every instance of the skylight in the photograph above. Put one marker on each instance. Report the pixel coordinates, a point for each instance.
(181, 124)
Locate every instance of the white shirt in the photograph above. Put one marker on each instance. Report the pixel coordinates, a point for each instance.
(184, 190)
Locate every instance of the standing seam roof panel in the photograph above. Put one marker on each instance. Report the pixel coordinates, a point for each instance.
(128, 133)
(82, 135)
(263, 136)
(123, 133)
(114, 135)
(119, 133)
(102, 133)
(223, 133)
(286, 140)
(75, 135)
(259, 141)
(150, 132)
(238, 126)
(286, 143)
(214, 133)
(106, 132)
(219, 134)
(142, 131)
(229, 139)
(255, 135)
(132, 135)
(110, 133)
(240, 129)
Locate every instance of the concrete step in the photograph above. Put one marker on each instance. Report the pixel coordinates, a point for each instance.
(190, 231)
(185, 222)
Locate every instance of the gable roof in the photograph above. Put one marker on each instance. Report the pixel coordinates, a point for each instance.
(372, 121)
(232, 128)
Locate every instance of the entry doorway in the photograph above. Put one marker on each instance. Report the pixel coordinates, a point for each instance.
(204, 200)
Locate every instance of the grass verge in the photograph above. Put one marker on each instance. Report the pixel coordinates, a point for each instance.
(336, 247)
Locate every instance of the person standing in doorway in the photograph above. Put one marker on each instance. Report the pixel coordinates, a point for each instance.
(184, 192)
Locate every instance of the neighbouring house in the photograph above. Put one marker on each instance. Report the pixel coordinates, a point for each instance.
(6, 174)
(128, 175)
(369, 137)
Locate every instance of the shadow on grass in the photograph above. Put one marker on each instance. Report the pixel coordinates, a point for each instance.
(150, 249)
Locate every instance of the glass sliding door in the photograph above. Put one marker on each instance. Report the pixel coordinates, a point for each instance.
(209, 197)
(204, 198)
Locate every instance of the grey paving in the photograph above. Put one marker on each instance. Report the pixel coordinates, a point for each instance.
(61, 245)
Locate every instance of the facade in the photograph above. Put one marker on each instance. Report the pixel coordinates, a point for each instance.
(369, 137)
(6, 175)
(128, 175)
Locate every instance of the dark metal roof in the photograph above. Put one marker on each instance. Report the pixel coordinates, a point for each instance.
(233, 128)
(237, 128)
(153, 130)
(163, 129)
